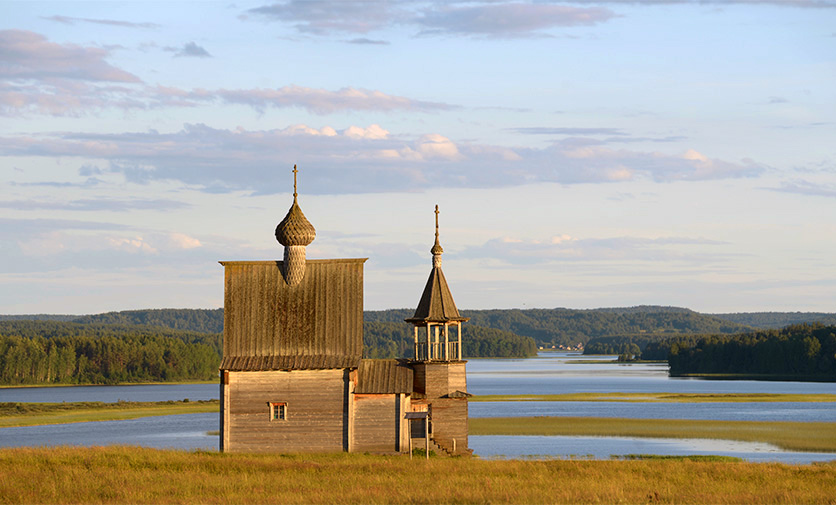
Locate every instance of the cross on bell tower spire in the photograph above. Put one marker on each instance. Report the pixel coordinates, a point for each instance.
(294, 182)
(436, 250)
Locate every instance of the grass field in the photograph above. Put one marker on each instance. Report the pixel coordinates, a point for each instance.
(138, 475)
(658, 397)
(34, 414)
(794, 436)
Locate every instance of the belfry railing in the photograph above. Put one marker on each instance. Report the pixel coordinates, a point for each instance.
(436, 345)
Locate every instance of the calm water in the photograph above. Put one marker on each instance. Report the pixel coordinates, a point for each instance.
(111, 394)
(743, 411)
(548, 373)
(607, 447)
(552, 373)
(186, 431)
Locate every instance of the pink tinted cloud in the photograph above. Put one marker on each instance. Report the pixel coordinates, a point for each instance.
(29, 55)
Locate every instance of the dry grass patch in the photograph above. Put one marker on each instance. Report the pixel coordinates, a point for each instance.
(137, 475)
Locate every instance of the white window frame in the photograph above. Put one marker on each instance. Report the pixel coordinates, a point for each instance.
(277, 411)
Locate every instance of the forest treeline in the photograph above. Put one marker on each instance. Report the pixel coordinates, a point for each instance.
(803, 351)
(55, 352)
(103, 360)
(547, 327)
(570, 327)
(777, 320)
(177, 344)
(384, 339)
(799, 352)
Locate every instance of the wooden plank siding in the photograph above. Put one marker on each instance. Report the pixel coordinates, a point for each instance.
(317, 411)
(449, 415)
(378, 423)
(265, 317)
(449, 422)
(437, 379)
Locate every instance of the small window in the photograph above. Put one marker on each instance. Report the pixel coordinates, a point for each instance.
(278, 411)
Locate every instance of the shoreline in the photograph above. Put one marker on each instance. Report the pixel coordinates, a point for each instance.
(660, 397)
(180, 383)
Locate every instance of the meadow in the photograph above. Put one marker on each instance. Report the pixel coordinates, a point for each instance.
(140, 475)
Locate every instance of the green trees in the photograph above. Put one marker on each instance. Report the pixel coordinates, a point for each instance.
(387, 339)
(569, 326)
(63, 353)
(804, 351)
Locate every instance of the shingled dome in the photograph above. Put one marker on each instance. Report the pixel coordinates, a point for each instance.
(436, 303)
(294, 232)
(295, 229)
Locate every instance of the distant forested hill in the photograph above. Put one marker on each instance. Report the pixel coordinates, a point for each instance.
(202, 320)
(777, 320)
(388, 339)
(37, 317)
(546, 326)
(570, 327)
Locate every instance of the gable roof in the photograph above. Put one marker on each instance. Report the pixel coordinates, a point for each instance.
(436, 305)
(315, 324)
(383, 376)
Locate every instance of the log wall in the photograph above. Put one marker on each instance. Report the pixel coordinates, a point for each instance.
(437, 379)
(317, 411)
(378, 423)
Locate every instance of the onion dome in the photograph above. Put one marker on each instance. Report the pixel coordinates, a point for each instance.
(294, 232)
(295, 229)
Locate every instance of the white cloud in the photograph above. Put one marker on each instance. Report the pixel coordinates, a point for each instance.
(28, 55)
(373, 132)
(360, 159)
(132, 245)
(563, 248)
(183, 241)
(435, 146)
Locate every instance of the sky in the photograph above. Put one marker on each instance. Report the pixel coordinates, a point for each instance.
(583, 153)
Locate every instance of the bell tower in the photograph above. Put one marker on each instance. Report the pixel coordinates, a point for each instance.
(439, 373)
(437, 315)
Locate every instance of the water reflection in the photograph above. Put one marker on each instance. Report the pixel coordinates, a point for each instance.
(605, 447)
(732, 411)
(185, 431)
(112, 394)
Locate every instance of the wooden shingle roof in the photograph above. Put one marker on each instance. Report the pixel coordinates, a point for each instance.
(383, 376)
(269, 325)
(436, 303)
(264, 363)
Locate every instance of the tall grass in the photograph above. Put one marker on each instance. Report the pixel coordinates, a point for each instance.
(796, 436)
(138, 475)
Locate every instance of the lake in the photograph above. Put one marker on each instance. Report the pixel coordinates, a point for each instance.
(547, 373)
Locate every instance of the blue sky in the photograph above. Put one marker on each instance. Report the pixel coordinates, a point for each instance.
(583, 154)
